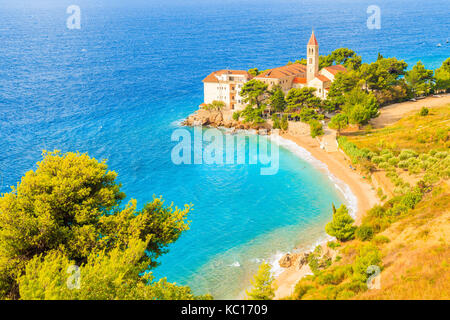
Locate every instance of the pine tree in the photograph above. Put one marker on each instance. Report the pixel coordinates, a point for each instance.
(263, 287)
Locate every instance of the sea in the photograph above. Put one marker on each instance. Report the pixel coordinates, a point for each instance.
(119, 86)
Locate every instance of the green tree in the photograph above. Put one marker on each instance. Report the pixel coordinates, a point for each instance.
(383, 74)
(316, 128)
(300, 98)
(254, 92)
(341, 226)
(360, 106)
(346, 57)
(284, 124)
(69, 209)
(339, 122)
(343, 83)
(254, 72)
(276, 100)
(442, 76)
(263, 287)
(419, 79)
(252, 115)
(215, 106)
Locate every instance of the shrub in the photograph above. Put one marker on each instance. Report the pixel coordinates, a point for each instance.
(380, 239)
(316, 128)
(364, 233)
(341, 226)
(215, 106)
(377, 160)
(441, 155)
(368, 255)
(236, 116)
(333, 244)
(403, 164)
(394, 161)
(406, 154)
(424, 111)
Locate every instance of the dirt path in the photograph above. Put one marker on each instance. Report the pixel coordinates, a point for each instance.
(395, 112)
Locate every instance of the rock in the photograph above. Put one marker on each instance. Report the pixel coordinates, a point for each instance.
(286, 261)
(302, 259)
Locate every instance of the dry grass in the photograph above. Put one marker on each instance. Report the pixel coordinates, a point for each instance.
(419, 133)
(416, 262)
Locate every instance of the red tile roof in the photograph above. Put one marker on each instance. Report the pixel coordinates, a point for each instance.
(212, 77)
(313, 41)
(322, 78)
(334, 70)
(285, 71)
(299, 80)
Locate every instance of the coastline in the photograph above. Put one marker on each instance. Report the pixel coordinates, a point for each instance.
(335, 163)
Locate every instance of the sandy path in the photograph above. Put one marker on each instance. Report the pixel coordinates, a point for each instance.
(394, 112)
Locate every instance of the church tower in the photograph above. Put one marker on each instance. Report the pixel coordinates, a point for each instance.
(312, 66)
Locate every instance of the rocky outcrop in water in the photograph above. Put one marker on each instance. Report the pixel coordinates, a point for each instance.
(225, 119)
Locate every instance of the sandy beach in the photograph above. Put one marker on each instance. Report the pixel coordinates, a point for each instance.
(339, 165)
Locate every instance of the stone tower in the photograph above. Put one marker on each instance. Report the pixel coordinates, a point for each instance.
(312, 66)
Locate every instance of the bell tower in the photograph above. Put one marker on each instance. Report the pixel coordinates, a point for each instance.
(312, 65)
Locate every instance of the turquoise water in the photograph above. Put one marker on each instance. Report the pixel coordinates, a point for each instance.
(118, 88)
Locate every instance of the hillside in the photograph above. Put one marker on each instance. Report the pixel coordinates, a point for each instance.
(406, 236)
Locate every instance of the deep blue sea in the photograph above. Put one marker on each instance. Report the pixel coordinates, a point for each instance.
(118, 87)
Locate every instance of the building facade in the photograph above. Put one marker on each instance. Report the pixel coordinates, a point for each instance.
(225, 85)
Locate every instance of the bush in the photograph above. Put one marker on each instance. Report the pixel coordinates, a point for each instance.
(236, 116)
(364, 233)
(406, 154)
(316, 128)
(424, 111)
(341, 226)
(369, 255)
(393, 161)
(380, 239)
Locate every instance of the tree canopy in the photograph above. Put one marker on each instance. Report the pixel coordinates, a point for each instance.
(298, 98)
(360, 106)
(276, 100)
(341, 226)
(68, 212)
(442, 76)
(253, 92)
(419, 79)
(263, 287)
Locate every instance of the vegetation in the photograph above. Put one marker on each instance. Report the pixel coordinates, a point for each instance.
(420, 80)
(339, 122)
(315, 128)
(341, 226)
(405, 236)
(253, 92)
(263, 287)
(215, 106)
(360, 106)
(442, 76)
(68, 213)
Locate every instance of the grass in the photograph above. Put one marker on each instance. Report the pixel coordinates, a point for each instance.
(414, 132)
(410, 243)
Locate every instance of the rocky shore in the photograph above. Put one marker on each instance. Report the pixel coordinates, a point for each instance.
(224, 119)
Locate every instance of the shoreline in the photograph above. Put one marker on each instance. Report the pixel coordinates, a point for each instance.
(336, 165)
